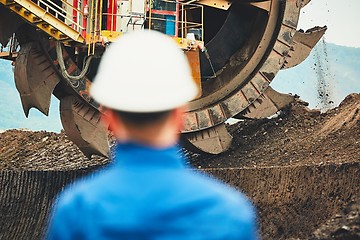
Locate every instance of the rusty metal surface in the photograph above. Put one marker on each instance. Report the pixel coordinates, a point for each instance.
(221, 4)
(35, 78)
(243, 87)
(268, 104)
(238, 88)
(256, 40)
(80, 88)
(214, 140)
(303, 43)
(194, 61)
(82, 125)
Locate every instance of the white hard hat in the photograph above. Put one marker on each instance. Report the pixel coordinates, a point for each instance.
(144, 71)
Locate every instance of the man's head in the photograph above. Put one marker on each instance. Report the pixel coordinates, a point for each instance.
(143, 82)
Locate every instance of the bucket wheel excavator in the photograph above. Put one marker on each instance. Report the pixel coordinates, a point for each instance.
(235, 48)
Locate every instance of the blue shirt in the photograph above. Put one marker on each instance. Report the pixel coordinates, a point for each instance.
(149, 194)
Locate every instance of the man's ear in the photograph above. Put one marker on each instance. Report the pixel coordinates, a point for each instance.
(110, 118)
(178, 115)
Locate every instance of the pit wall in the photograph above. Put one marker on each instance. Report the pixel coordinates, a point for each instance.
(291, 201)
(26, 198)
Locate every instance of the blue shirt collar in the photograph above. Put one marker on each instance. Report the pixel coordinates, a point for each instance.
(137, 155)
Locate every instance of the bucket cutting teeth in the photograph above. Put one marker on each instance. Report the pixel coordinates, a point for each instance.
(82, 125)
(213, 140)
(303, 43)
(35, 78)
(266, 105)
(246, 46)
(245, 68)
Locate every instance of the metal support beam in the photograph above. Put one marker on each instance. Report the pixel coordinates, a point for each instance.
(42, 19)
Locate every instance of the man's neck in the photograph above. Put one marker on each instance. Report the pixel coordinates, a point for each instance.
(153, 137)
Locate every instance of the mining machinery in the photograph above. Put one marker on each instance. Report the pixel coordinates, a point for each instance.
(235, 49)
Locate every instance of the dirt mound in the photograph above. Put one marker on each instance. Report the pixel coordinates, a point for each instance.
(345, 225)
(299, 140)
(297, 136)
(300, 168)
(28, 150)
(345, 117)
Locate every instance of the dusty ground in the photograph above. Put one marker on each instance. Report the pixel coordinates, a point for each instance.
(297, 137)
(27, 150)
(345, 225)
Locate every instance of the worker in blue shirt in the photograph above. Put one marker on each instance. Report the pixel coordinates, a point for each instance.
(148, 192)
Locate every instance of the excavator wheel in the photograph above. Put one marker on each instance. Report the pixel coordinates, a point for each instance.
(247, 44)
(256, 40)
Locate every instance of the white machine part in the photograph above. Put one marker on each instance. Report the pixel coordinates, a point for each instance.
(131, 15)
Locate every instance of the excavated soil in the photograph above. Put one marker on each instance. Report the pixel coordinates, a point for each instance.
(313, 156)
(297, 136)
(300, 169)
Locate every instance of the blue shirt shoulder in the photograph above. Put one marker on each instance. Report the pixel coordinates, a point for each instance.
(150, 194)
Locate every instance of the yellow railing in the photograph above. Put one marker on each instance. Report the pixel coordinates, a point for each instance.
(186, 25)
(10, 50)
(183, 25)
(60, 13)
(69, 19)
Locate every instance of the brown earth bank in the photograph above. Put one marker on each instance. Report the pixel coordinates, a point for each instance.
(299, 168)
(297, 136)
(302, 143)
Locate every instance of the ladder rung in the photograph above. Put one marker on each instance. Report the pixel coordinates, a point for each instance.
(30, 12)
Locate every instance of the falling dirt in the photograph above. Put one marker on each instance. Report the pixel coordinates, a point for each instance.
(281, 155)
(325, 79)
